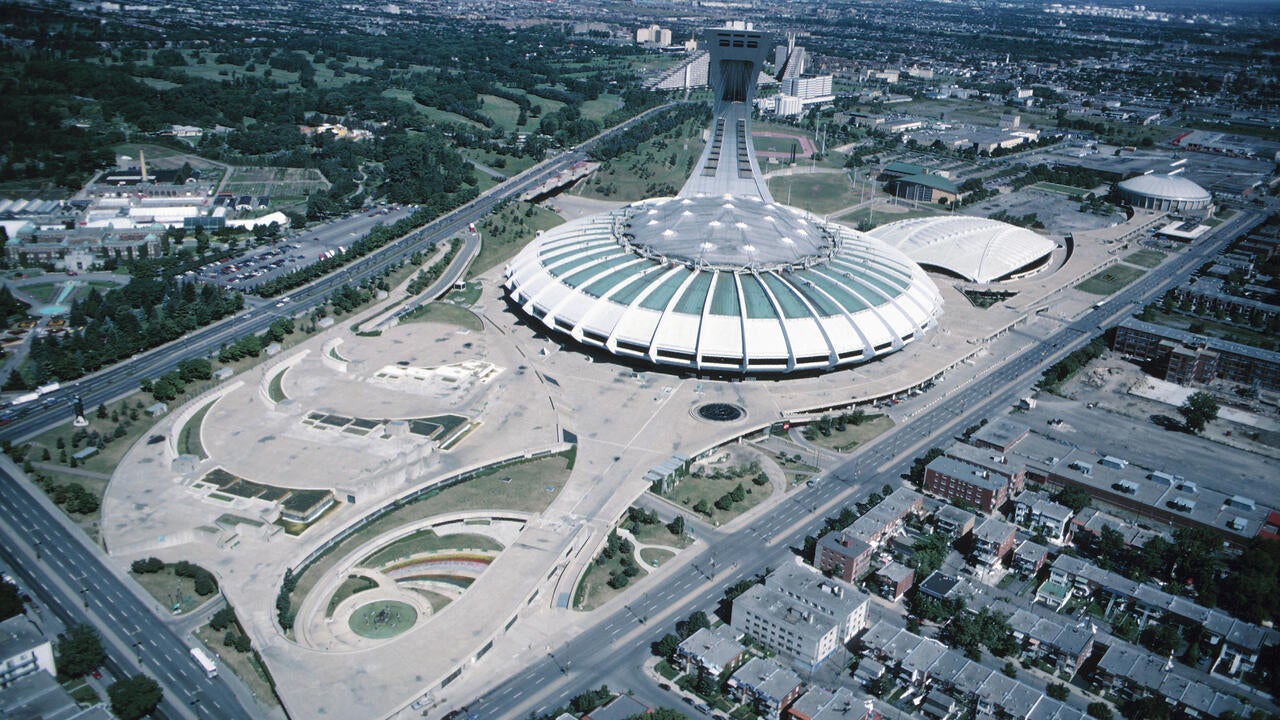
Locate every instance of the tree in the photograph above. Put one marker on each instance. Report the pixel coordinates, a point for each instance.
(10, 600)
(79, 651)
(1100, 710)
(1057, 691)
(1200, 409)
(1161, 639)
(134, 697)
(660, 714)
(695, 622)
(676, 526)
(223, 619)
(666, 647)
(147, 566)
(1146, 708)
(1074, 497)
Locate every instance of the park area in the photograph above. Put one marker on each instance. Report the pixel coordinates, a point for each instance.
(658, 167)
(523, 486)
(507, 230)
(1145, 258)
(846, 432)
(1110, 280)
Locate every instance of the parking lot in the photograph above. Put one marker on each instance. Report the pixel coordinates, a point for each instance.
(293, 251)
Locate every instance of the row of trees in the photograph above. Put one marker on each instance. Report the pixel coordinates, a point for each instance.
(79, 652)
(143, 315)
(1067, 367)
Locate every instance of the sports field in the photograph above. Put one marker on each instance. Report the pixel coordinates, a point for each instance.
(779, 145)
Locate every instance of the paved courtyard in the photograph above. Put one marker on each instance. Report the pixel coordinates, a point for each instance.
(527, 394)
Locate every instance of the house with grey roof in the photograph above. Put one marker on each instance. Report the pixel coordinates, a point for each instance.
(711, 650)
(766, 684)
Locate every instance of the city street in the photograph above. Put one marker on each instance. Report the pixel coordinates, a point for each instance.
(623, 634)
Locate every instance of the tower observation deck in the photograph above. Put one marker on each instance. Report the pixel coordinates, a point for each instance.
(721, 278)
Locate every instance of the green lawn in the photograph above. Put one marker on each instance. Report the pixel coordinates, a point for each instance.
(853, 435)
(600, 107)
(246, 666)
(43, 292)
(431, 113)
(446, 313)
(427, 541)
(820, 193)
(659, 535)
(1110, 280)
(659, 166)
(171, 591)
(1209, 326)
(505, 233)
(508, 165)
(594, 591)
(531, 487)
(505, 113)
(467, 296)
(691, 490)
(352, 585)
(275, 389)
(189, 437)
(1145, 258)
(875, 217)
(656, 556)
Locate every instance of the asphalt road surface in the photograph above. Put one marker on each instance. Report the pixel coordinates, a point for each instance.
(125, 377)
(613, 650)
(56, 560)
(71, 578)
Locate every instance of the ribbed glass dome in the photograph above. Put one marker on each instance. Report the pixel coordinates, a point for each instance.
(726, 284)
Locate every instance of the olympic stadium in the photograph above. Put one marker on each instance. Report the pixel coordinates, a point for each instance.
(721, 278)
(1156, 191)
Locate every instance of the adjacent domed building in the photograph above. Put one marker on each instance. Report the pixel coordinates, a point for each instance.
(724, 284)
(976, 249)
(1171, 193)
(721, 278)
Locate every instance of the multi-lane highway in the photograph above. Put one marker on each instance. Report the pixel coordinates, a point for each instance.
(125, 377)
(55, 561)
(71, 575)
(612, 650)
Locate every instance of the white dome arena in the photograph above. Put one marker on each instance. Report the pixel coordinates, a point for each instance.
(973, 248)
(1155, 191)
(721, 278)
(732, 284)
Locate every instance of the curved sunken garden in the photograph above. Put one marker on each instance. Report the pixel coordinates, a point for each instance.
(390, 584)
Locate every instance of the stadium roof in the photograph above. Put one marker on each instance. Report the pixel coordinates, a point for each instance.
(835, 297)
(1171, 187)
(721, 277)
(976, 249)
